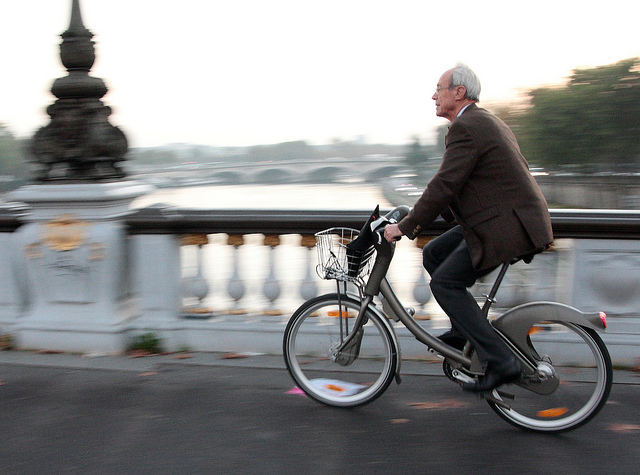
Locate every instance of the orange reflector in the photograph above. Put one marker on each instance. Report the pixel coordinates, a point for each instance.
(603, 317)
(335, 313)
(553, 412)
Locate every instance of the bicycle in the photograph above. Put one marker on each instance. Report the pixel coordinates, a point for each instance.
(342, 350)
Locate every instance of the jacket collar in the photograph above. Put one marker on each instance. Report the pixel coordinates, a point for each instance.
(473, 105)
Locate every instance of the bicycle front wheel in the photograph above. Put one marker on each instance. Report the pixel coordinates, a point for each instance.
(578, 373)
(353, 376)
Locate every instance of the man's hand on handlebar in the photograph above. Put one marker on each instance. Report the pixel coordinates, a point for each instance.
(392, 233)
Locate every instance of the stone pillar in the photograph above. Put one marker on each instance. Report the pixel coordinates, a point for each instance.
(12, 284)
(73, 249)
(604, 275)
(155, 260)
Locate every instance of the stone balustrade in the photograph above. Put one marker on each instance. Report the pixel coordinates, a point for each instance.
(228, 280)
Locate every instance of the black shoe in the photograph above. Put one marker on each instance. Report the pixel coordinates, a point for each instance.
(507, 372)
(452, 339)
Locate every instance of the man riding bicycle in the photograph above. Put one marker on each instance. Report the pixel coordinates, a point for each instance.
(484, 184)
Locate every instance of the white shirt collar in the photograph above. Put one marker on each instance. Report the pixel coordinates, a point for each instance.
(463, 109)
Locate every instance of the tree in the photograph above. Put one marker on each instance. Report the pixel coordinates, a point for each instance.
(11, 156)
(593, 120)
(416, 157)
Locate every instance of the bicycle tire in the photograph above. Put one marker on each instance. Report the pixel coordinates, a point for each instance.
(311, 336)
(581, 363)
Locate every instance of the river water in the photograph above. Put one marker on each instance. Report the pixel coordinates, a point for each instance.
(300, 196)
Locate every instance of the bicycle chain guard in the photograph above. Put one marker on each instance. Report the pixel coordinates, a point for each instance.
(543, 381)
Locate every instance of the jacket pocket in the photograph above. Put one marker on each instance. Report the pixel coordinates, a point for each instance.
(482, 216)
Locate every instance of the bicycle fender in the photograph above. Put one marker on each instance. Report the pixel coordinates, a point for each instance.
(516, 322)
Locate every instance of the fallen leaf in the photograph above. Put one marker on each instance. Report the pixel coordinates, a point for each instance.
(624, 427)
(233, 356)
(399, 421)
(446, 404)
(182, 356)
(147, 373)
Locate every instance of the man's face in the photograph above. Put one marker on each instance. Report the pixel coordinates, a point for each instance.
(445, 97)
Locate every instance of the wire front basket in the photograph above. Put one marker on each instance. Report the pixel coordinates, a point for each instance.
(337, 261)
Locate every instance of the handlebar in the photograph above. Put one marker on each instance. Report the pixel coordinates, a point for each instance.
(373, 230)
(392, 217)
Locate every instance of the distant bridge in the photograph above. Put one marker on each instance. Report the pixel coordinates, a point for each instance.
(370, 169)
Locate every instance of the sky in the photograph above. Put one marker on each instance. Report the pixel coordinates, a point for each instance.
(248, 72)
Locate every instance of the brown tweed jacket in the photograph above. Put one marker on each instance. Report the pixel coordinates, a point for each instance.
(485, 184)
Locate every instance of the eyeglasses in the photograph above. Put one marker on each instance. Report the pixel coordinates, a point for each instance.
(438, 89)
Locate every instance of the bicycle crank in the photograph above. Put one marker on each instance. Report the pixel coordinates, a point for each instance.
(455, 374)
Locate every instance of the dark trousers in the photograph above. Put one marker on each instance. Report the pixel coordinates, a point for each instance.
(448, 260)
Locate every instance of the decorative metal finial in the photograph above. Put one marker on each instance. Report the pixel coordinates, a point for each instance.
(79, 144)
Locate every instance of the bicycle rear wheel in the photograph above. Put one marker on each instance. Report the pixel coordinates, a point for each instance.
(353, 377)
(579, 372)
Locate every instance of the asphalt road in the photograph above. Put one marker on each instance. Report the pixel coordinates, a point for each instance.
(112, 415)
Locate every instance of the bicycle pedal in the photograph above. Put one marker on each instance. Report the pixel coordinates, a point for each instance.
(506, 395)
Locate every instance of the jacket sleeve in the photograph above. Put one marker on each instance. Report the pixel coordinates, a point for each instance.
(458, 163)
(448, 216)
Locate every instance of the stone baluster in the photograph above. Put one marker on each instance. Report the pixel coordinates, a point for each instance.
(309, 285)
(422, 291)
(271, 286)
(235, 286)
(196, 286)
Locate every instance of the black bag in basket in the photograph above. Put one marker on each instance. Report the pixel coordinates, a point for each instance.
(357, 248)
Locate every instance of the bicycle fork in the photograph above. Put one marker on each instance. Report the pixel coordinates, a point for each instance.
(349, 348)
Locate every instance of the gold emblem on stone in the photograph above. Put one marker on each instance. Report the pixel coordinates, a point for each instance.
(65, 233)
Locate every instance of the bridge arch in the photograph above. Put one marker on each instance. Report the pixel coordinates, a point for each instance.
(329, 174)
(274, 175)
(229, 177)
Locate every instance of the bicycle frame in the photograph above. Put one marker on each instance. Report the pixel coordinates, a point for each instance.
(378, 284)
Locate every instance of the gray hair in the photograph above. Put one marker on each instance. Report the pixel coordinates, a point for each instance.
(463, 75)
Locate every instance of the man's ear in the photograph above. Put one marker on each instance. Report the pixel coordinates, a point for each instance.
(460, 92)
